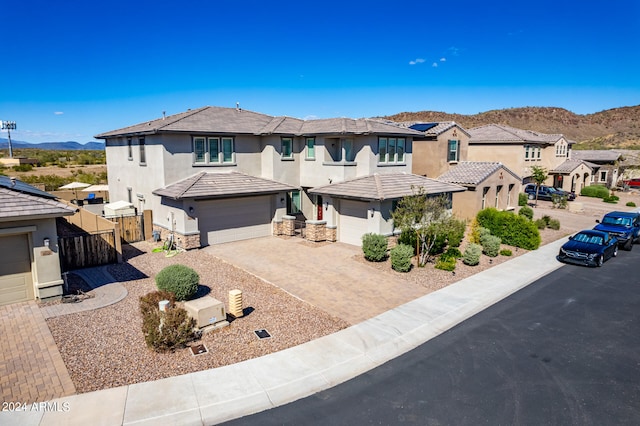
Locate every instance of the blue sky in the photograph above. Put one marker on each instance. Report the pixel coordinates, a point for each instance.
(71, 70)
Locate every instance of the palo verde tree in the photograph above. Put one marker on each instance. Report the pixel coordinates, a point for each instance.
(539, 176)
(427, 216)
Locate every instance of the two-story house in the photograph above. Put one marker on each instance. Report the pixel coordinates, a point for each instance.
(520, 150)
(213, 175)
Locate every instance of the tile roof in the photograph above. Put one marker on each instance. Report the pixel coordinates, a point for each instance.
(492, 133)
(471, 173)
(19, 186)
(384, 187)
(16, 205)
(570, 165)
(596, 155)
(435, 129)
(221, 185)
(238, 121)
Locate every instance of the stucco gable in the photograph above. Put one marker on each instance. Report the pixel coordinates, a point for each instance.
(474, 172)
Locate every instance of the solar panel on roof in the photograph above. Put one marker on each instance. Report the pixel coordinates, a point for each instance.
(423, 127)
(19, 186)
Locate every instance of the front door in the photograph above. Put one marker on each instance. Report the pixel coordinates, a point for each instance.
(319, 207)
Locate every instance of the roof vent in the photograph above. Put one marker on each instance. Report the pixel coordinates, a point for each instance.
(164, 115)
(238, 107)
(13, 181)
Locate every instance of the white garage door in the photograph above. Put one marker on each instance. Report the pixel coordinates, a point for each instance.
(15, 269)
(222, 221)
(353, 221)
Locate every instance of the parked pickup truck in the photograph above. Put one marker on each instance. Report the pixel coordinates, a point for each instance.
(624, 225)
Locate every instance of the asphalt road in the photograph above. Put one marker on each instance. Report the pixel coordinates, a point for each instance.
(563, 351)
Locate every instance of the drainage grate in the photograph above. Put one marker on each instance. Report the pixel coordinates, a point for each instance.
(198, 350)
(262, 334)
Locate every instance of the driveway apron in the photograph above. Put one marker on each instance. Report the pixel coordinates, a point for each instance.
(322, 274)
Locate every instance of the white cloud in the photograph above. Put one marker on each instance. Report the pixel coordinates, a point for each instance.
(417, 61)
(454, 51)
(443, 59)
(58, 112)
(435, 65)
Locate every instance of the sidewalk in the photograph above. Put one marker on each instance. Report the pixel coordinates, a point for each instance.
(221, 394)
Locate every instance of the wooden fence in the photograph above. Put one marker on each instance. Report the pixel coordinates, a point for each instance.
(131, 227)
(85, 250)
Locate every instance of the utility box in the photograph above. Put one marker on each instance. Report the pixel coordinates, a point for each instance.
(235, 303)
(206, 311)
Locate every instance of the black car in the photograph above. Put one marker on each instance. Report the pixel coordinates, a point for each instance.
(547, 192)
(589, 247)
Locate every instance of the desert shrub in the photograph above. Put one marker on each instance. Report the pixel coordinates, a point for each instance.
(595, 191)
(401, 257)
(559, 201)
(513, 229)
(472, 254)
(540, 223)
(613, 199)
(554, 224)
(23, 168)
(546, 219)
(452, 252)
(630, 204)
(491, 245)
(180, 280)
(408, 238)
(165, 331)
(505, 252)
(522, 199)
(527, 212)
(455, 234)
(374, 247)
(446, 263)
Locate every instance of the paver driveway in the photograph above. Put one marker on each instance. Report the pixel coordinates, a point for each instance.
(324, 275)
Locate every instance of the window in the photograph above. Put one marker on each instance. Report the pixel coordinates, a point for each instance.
(293, 202)
(391, 150)
(213, 150)
(561, 150)
(539, 152)
(143, 155)
(454, 150)
(484, 197)
(498, 189)
(347, 147)
(129, 149)
(526, 152)
(339, 150)
(287, 144)
(603, 176)
(311, 148)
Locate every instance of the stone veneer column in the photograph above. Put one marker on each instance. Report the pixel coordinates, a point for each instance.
(277, 227)
(331, 233)
(316, 230)
(288, 225)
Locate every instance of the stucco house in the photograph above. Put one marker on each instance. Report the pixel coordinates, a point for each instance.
(29, 265)
(488, 184)
(520, 150)
(442, 146)
(214, 174)
(605, 165)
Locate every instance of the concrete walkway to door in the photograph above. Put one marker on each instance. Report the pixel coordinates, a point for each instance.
(323, 275)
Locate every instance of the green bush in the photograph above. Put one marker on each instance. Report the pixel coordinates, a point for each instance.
(513, 229)
(409, 238)
(630, 204)
(554, 224)
(505, 252)
(472, 254)
(491, 245)
(522, 199)
(180, 280)
(165, 331)
(540, 223)
(456, 232)
(559, 201)
(446, 263)
(401, 258)
(613, 199)
(526, 211)
(23, 168)
(597, 191)
(374, 247)
(452, 252)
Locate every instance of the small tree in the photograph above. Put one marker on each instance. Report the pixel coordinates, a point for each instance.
(539, 176)
(427, 216)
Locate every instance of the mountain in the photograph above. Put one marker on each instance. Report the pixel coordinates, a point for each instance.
(612, 128)
(55, 146)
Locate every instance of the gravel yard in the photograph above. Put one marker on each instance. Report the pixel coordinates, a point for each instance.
(105, 348)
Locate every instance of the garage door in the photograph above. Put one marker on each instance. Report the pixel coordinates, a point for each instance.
(353, 221)
(234, 219)
(15, 269)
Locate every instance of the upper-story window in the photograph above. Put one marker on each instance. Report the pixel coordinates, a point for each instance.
(129, 149)
(143, 154)
(311, 148)
(339, 150)
(391, 150)
(213, 150)
(561, 150)
(532, 153)
(454, 150)
(287, 148)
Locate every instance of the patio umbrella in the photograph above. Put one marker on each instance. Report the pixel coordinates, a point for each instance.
(75, 186)
(96, 188)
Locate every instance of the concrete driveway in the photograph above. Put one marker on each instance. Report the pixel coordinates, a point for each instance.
(325, 275)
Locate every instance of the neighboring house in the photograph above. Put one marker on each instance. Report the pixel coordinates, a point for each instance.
(488, 184)
(520, 150)
(572, 175)
(606, 165)
(213, 174)
(442, 146)
(29, 265)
